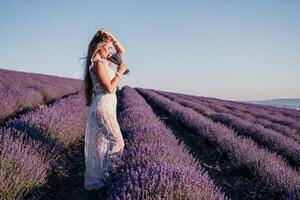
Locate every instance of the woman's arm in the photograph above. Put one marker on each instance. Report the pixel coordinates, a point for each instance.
(100, 72)
(119, 48)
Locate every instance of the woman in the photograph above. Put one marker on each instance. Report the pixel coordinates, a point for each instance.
(103, 139)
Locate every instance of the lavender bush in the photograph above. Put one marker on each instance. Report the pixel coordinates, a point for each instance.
(282, 116)
(266, 137)
(24, 164)
(53, 128)
(62, 122)
(154, 166)
(21, 90)
(17, 99)
(268, 167)
(243, 113)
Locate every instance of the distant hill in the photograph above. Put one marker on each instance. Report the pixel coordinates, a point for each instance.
(293, 103)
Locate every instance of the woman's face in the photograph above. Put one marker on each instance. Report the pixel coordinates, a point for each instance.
(106, 50)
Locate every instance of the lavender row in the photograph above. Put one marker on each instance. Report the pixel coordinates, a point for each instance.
(271, 115)
(154, 165)
(268, 167)
(10, 79)
(247, 123)
(284, 129)
(265, 137)
(63, 122)
(24, 164)
(243, 113)
(54, 127)
(19, 90)
(263, 112)
(284, 112)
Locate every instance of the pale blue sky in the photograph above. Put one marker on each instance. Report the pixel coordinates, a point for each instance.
(237, 50)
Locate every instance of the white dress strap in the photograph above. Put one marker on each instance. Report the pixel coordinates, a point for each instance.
(96, 60)
(103, 60)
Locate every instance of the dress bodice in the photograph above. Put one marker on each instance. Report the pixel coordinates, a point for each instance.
(97, 86)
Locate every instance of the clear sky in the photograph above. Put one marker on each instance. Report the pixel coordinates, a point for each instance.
(235, 50)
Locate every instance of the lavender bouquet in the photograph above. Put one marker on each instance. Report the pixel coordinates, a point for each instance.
(116, 59)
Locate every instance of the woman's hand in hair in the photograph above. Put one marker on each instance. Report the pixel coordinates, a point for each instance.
(106, 32)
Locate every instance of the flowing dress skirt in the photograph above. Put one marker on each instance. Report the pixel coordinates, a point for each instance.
(104, 143)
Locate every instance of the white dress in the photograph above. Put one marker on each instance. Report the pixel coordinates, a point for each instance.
(104, 143)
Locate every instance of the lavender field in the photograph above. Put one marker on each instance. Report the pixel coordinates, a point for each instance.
(22, 90)
(177, 146)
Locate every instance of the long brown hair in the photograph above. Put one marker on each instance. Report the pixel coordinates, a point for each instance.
(95, 45)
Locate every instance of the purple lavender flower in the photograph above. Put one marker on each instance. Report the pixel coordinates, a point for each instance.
(116, 59)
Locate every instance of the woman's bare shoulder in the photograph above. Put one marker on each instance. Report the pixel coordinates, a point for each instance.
(96, 57)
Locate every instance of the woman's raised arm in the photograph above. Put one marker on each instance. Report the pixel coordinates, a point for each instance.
(118, 46)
